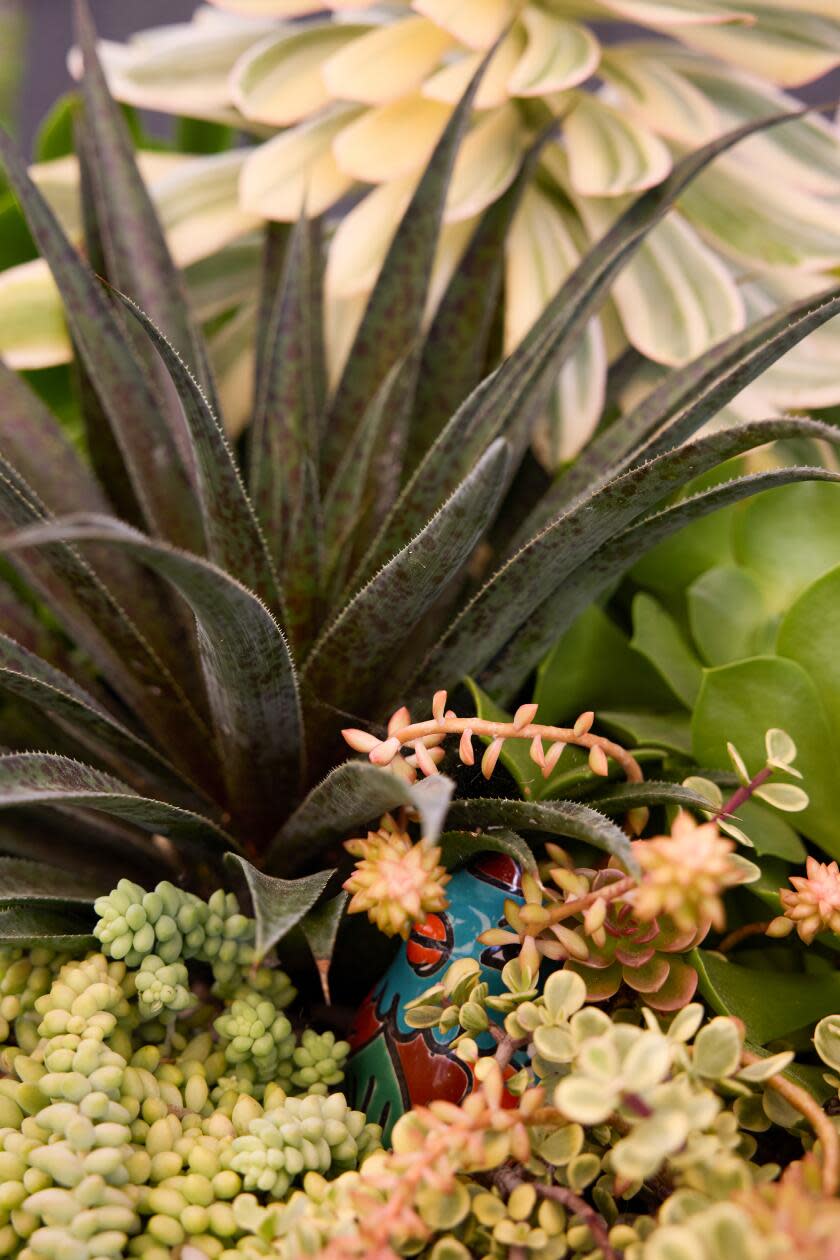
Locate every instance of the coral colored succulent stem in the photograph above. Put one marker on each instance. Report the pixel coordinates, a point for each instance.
(507, 730)
(741, 934)
(808, 1107)
(608, 893)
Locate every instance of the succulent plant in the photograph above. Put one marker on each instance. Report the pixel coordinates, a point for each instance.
(319, 119)
(204, 645)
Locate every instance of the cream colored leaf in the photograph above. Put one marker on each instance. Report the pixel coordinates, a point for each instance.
(559, 54)
(486, 164)
(180, 69)
(295, 168)
(233, 356)
(280, 80)
(608, 153)
(805, 151)
(273, 8)
(669, 13)
(539, 256)
(362, 237)
(32, 329)
(390, 141)
(342, 317)
(806, 376)
(450, 83)
(476, 23)
(784, 46)
(659, 95)
(226, 278)
(364, 234)
(675, 297)
(198, 204)
(197, 199)
(386, 62)
(762, 221)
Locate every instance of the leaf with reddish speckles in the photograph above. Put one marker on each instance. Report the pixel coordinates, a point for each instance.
(685, 400)
(234, 539)
(250, 677)
(540, 573)
(455, 348)
(353, 664)
(147, 446)
(279, 904)
(556, 818)
(351, 795)
(138, 258)
(291, 387)
(510, 400)
(394, 314)
(44, 779)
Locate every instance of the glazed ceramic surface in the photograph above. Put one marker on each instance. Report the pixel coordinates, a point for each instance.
(394, 1066)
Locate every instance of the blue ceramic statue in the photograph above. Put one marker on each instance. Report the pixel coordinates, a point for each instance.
(393, 1066)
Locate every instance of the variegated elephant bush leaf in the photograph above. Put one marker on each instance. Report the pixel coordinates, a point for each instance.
(348, 105)
(189, 626)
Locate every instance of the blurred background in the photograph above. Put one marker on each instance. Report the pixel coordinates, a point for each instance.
(35, 36)
(42, 57)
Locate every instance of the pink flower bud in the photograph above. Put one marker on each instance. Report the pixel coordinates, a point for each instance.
(385, 751)
(524, 715)
(465, 748)
(438, 705)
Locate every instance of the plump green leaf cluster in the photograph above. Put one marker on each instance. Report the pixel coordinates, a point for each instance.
(228, 607)
(124, 1136)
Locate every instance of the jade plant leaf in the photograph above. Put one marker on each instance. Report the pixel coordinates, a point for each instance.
(658, 638)
(727, 614)
(592, 665)
(771, 1003)
(772, 834)
(668, 731)
(808, 635)
(279, 904)
(788, 539)
(738, 703)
